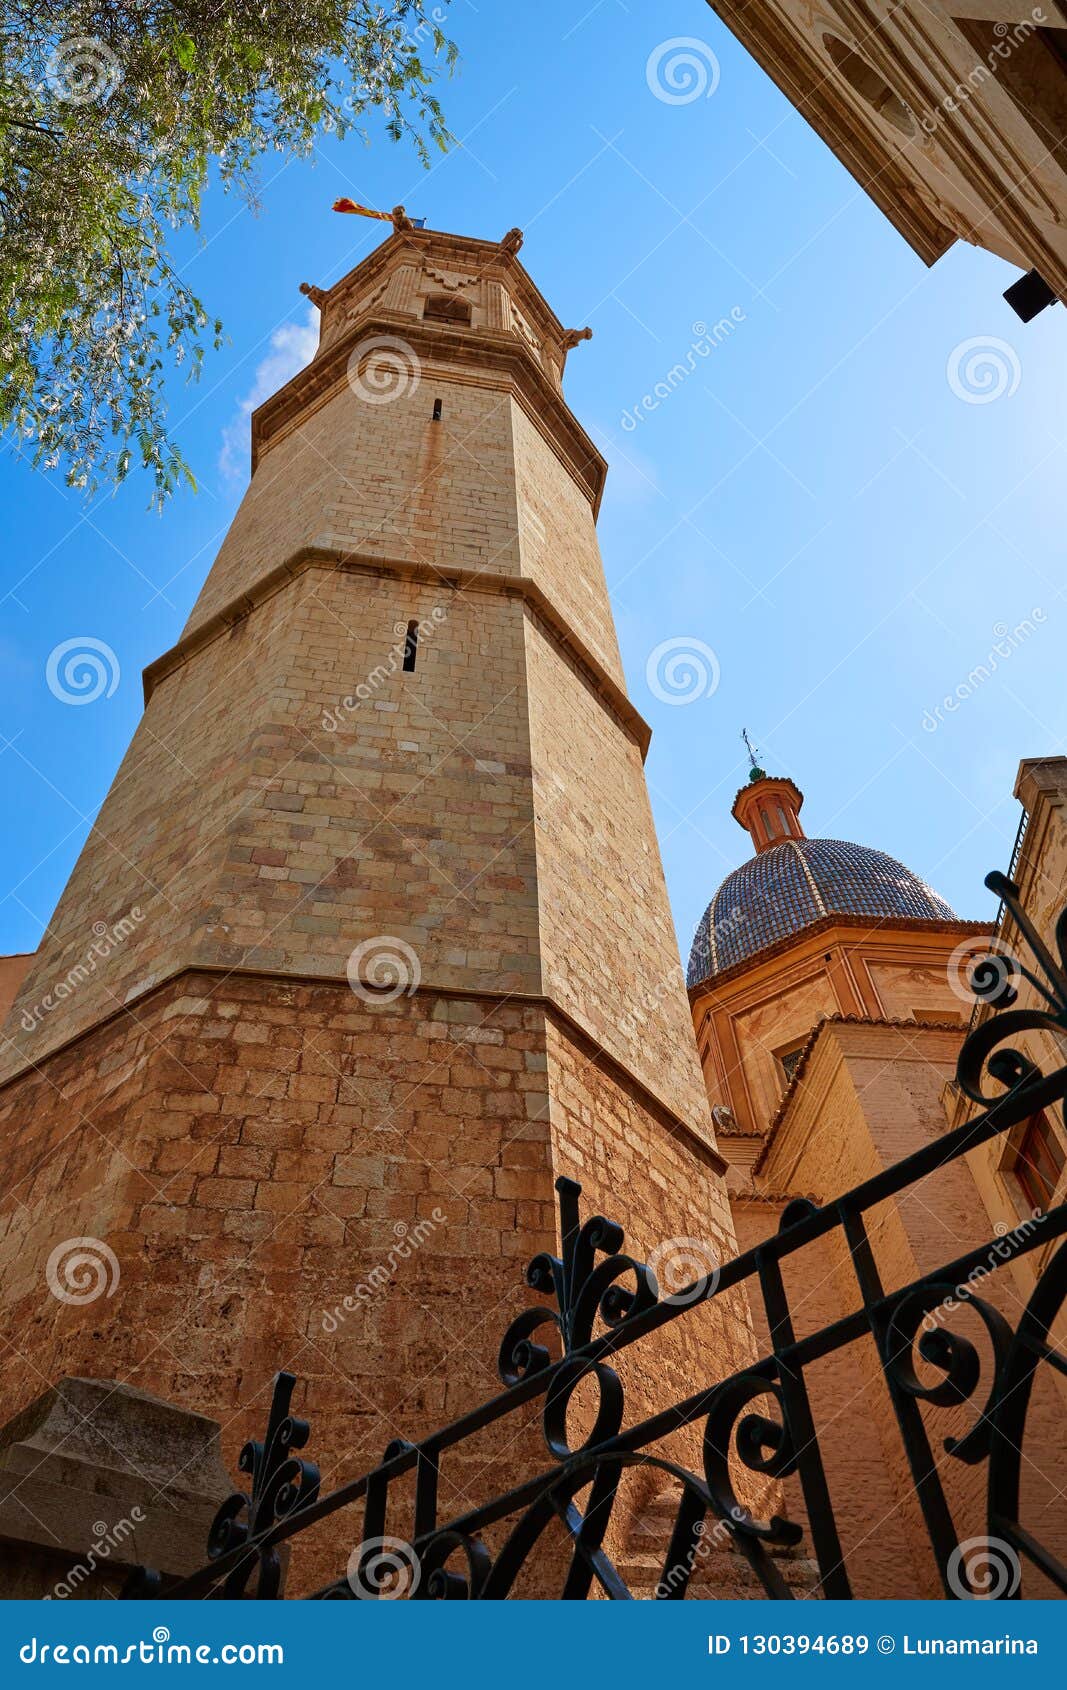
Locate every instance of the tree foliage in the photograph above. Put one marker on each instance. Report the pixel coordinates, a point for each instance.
(112, 115)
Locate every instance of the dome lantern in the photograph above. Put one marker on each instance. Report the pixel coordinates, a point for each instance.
(769, 807)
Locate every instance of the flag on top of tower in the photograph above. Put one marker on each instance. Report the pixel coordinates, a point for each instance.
(396, 217)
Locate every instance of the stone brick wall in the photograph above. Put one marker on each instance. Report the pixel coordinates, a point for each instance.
(12, 973)
(285, 842)
(635, 1166)
(557, 541)
(253, 1152)
(609, 955)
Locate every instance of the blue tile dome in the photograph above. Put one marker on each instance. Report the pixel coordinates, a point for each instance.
(787, 886)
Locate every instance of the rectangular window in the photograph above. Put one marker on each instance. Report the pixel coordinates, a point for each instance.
(1039, 1162)
(411, 646)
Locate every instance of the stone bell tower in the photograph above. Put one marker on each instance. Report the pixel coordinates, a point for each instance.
(393, 946)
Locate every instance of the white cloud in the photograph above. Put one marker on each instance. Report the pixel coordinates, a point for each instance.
(291, 347)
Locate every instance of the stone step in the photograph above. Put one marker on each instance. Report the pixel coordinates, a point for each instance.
(721, 1572)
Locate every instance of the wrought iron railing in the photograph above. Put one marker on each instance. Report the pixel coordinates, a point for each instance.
(604, 1301)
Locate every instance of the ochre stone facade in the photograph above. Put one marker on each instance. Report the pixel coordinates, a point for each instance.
(951, 114)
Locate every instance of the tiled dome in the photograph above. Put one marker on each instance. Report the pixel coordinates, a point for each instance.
(787, 886)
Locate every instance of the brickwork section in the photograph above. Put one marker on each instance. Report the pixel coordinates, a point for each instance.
(609, 954)
(859, 1447)
(558, 543)
(156, 856)
(634, 1167)
(255, 1152)
(318, 797)
(869, 1097)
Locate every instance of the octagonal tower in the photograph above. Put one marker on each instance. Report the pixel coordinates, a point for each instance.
(386, 831)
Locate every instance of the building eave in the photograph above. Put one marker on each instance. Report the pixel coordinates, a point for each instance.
(859, 144)
(869, 925)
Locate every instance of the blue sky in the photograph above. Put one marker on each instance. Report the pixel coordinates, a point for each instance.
(820, 502)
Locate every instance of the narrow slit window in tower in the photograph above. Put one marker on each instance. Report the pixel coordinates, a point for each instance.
(411, 645)
(437, 410)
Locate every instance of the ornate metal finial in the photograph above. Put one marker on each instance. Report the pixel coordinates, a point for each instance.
(754, 770)
(580, 1286)
(282, 1484)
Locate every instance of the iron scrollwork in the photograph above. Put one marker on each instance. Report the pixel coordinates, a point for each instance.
(282, 1485)
(995, 983)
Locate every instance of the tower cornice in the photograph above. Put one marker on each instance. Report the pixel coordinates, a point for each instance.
(535, 598)
(420, 245)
